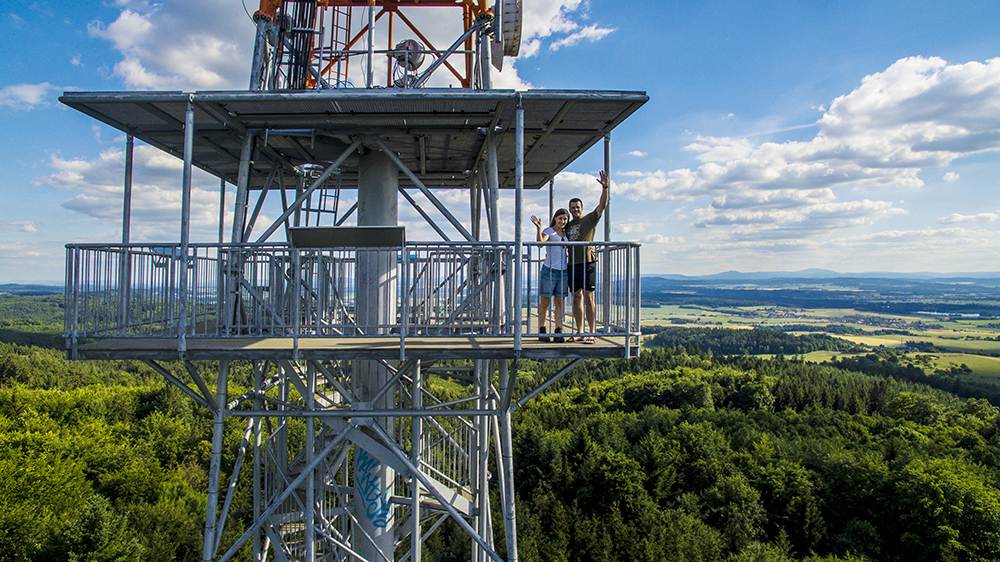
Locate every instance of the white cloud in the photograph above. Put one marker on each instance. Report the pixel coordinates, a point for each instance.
(75, 60)
(636, 153)
(630, 227)
(958, 218)
(590, 34)
(19, 251)
(180, 45)
(18, 226)
(918, 113)
(814, 217)
(95, 188)
(950, 177)
(661, 239)
(25, 96)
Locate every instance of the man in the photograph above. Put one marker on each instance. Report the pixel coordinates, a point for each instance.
(583, 275)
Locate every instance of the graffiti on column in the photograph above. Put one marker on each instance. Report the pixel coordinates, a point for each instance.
(369, 485)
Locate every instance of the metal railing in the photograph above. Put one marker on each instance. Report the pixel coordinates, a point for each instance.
(275, 290)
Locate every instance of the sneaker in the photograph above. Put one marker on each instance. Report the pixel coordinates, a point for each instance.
(559, 338)
(544, 338)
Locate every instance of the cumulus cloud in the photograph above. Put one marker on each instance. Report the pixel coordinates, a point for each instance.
(631, 227)
(180, 45)
(19, 250)
(636, 153)
(950, 177)
(18, 226)
(589, 34)
(918, 113)
(662, 239)
(958, 218)
(25, 96)
(95, 189)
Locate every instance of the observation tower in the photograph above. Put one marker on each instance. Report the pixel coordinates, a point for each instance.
(347, 327)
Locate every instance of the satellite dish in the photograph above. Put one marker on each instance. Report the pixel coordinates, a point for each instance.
(511, 27)
(496, 44)
(409, 54)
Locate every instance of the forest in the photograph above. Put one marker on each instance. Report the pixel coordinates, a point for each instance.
(758, 341)
(681, 454)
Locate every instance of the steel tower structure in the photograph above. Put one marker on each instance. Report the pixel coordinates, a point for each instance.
(352, 448)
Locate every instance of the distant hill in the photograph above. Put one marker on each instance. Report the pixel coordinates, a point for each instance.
(24, 290)
(815, 273)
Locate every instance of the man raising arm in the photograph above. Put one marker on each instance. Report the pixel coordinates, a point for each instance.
(583, 276)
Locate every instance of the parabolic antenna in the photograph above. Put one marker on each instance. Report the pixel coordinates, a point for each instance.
(511, 16)
(496, 43)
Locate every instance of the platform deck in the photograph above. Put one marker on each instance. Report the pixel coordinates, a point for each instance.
(350, 348)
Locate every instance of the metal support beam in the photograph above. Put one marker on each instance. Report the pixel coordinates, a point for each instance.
(551, 380)
(493, 185)
(370, 74)
(260, 203)
(518, 212)
(215, 466)
(552, 198)
(606, 267)
(242, 189)
(185, 223)
(310, 495)
(485, 80)
(289, 490)
(347, 214)
(416, 431)
(423, 189)
(444, 56)
(180, 385)
(456, 516)
(423, 214)
(125, 276)
(507, 450)
(329, 171)
(257, 62)
(222, 209)
(127, 197)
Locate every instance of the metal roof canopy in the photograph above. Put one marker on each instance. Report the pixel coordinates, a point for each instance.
(438, 133)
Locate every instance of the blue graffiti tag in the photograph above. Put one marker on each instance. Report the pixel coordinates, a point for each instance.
(376, 502)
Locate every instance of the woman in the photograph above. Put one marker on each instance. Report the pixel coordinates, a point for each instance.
(552, 281)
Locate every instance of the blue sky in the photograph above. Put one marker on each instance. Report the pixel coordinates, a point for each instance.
(856, 136)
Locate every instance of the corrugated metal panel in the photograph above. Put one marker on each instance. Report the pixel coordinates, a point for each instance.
(560, 125)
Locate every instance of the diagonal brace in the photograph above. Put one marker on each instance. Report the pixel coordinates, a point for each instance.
(427, 193)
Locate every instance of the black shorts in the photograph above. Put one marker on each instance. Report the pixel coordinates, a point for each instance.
(583, 277)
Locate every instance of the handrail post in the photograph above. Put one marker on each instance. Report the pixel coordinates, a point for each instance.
(628, 301)
(518, 211)
(638, 292)
(404, 293)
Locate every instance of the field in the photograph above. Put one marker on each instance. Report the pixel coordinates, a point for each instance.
(934, 343)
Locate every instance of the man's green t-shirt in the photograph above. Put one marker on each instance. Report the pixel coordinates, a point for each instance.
(582, 230)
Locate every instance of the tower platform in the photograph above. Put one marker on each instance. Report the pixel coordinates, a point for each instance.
(276, 301)
(439, 348)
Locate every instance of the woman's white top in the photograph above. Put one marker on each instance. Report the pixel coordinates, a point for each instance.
(555, 256)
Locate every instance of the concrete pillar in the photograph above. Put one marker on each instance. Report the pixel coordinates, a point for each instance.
(378, 205)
